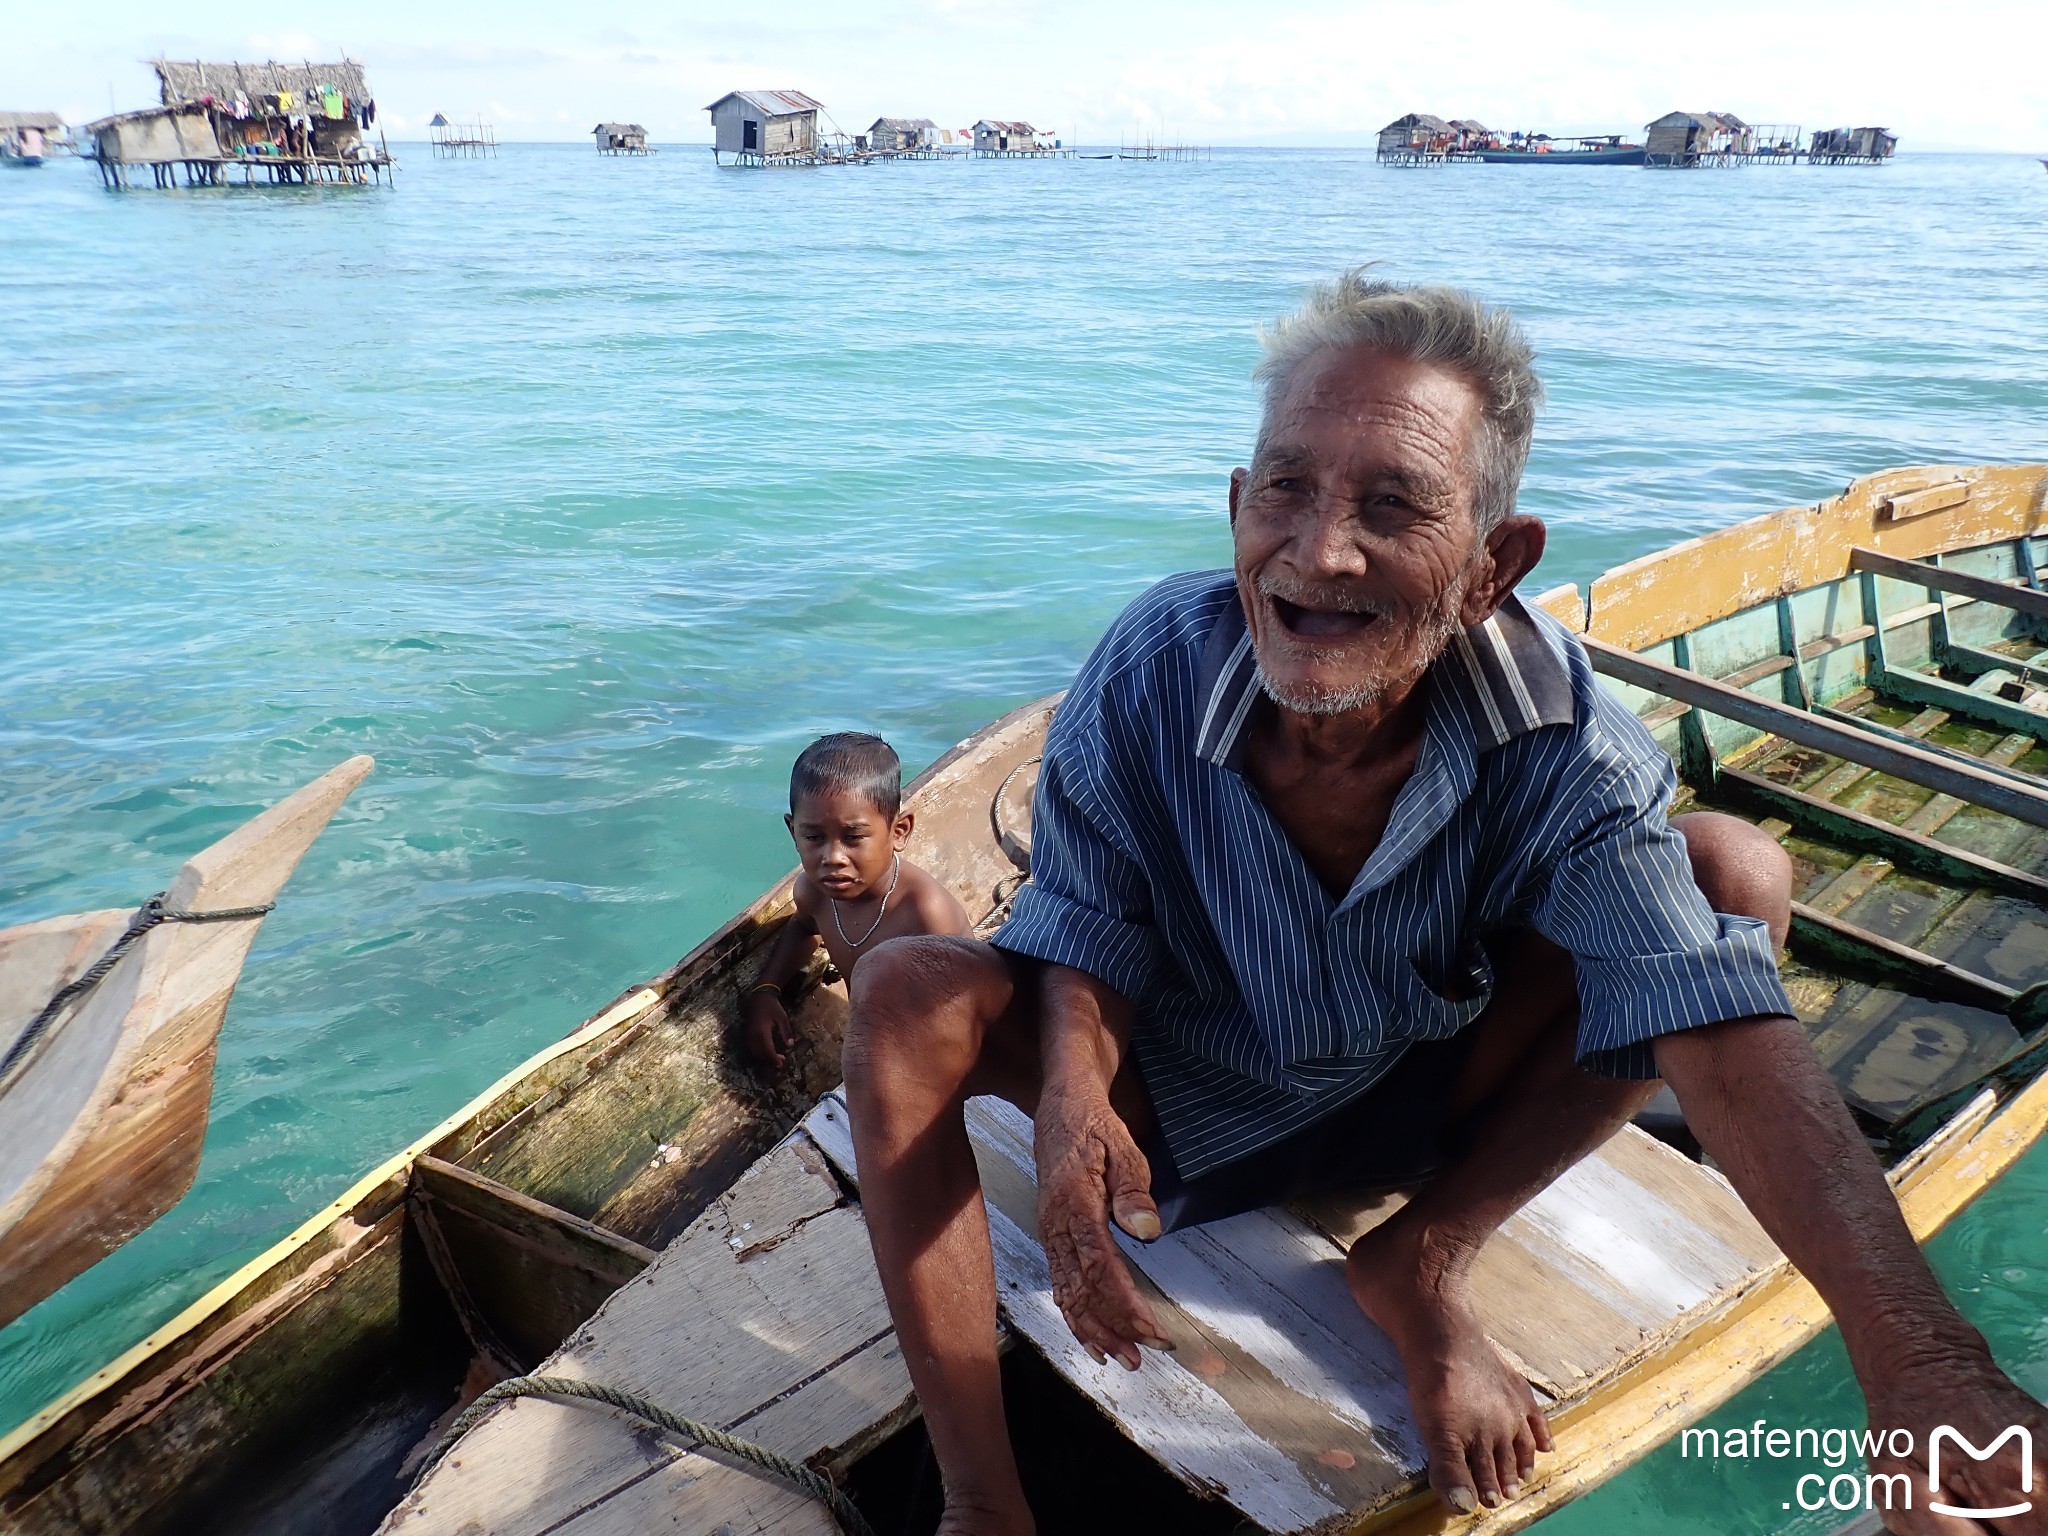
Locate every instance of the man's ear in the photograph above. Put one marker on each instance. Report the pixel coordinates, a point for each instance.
(899, 832)
(1511, 553)
(1238, 477)
(789, 821)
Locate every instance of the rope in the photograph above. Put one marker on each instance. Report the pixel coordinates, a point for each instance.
(147, 916)
(1011, 848)
(771, 1463)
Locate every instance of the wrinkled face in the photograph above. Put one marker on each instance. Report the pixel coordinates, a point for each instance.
(1354, 528)
(844, 842)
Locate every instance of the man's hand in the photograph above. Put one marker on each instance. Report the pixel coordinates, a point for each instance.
(1971, 1396)
(1088, 1169)
(770, 1037)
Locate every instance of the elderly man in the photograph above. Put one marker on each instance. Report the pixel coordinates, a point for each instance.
(1346, 871)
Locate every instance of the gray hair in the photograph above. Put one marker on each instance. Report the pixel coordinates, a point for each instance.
(1446, 326)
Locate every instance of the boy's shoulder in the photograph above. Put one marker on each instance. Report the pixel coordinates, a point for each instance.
(932, 897)
(805, 894)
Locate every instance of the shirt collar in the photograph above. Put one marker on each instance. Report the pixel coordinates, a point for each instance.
(1502, 675)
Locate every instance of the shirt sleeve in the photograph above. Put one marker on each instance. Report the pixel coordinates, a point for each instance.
(1088, 904)
(1652, 957)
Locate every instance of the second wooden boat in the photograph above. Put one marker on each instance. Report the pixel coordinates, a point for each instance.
(103, 1101)
(632, 1208)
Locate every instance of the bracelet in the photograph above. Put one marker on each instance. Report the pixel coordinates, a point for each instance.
(764, 986)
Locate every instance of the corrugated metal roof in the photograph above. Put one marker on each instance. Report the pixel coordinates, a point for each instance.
(900, 124)
(48, 122)
(996, 126)
(771, 103)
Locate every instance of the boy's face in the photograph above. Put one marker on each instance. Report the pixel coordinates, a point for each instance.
(845, 843)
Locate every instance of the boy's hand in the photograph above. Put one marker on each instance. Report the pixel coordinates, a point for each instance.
(769, 1035)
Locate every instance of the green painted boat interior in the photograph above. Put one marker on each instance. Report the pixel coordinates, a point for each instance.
(1921, 919)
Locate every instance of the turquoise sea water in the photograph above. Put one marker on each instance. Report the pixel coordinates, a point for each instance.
(583, 491)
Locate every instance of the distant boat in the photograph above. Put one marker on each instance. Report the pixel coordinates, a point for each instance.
(1607, 151)
(103, 1103)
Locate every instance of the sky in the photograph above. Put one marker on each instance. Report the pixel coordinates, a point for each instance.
(1943, 76)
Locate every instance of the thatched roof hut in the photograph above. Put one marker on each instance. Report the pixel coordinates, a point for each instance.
(181, 83)
(30, 134)
(1414, 130)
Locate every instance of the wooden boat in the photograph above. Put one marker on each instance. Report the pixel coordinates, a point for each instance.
(1601, 151)
(103, 1111)
(632, 1208)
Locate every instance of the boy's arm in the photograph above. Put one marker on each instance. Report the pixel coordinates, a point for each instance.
(765, 1021)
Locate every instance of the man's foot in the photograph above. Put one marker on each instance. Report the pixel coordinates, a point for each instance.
(1478, 1417)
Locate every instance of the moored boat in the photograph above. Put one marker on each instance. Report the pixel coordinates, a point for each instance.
(1600, 151)
(632, 1210)
(104, 1095)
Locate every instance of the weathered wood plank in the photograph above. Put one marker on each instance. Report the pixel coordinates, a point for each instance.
(1904, 846)
(1944, 774)
(2020, 598)
(523, 1274)
(1186, 1408)
(765, 1317)
(1679, 589)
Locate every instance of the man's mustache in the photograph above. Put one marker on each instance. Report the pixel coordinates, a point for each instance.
(1317, 596)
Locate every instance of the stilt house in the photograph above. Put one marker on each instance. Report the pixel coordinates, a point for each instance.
(1471, 133)
(995, 137)
(1416, 136)
(1697, 138)
(902, 135)
(1852, 146)
(292, 122)
(620, 139)
(765, 125)
(30, 135)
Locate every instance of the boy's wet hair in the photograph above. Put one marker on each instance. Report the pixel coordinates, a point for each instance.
(854, 762)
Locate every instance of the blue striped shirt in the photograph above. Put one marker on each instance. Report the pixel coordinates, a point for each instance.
(1537, 800)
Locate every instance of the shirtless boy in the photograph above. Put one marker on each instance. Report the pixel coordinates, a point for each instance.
(856, 889)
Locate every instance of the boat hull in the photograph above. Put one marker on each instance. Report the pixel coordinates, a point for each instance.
(1562, 157)
(106, 1117)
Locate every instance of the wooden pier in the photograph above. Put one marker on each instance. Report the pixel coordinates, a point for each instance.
(463, 141)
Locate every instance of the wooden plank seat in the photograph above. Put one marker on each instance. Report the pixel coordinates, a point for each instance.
(1280, 1397)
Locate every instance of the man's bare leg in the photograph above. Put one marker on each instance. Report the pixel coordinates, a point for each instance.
(936, 1021)
(1536, 1114)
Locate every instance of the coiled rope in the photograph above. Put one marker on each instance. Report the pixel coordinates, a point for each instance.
(147, 916)
(770, 1463)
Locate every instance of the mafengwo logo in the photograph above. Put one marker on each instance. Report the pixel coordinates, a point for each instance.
(2004, 1511)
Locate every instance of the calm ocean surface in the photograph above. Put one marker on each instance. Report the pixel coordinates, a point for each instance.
(582, 492)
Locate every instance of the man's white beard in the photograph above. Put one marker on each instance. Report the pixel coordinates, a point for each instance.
(1428, 636)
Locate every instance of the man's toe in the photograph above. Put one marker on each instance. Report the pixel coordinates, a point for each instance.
(1485, 1473)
